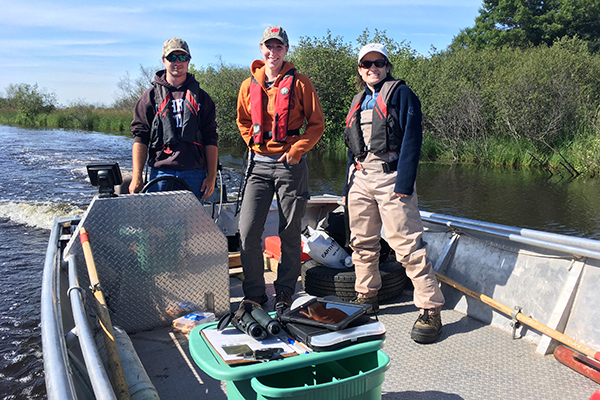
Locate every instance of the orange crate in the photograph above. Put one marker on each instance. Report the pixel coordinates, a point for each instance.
(273, 248)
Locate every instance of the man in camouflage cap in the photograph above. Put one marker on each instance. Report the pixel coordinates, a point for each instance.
(175, 44)
(174, 128)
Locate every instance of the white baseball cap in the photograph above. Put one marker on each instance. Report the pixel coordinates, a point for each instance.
(378, 47)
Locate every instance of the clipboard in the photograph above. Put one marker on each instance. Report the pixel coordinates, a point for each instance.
(229, 340)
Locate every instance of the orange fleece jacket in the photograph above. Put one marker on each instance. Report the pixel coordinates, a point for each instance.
(305, 106)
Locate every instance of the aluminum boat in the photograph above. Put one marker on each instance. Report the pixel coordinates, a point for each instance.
(512, 296)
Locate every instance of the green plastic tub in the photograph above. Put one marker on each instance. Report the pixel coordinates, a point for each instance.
(355, 378)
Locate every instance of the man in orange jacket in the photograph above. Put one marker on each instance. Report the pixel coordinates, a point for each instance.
(273, 105)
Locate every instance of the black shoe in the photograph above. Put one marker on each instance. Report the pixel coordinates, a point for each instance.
(262, 300)
(372, 301)
(283, 300)
(427, 328)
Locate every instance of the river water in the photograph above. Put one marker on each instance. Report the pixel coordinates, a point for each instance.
(43, 175)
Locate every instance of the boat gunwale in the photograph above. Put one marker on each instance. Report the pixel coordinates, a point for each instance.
(581, 247)
(59, 384)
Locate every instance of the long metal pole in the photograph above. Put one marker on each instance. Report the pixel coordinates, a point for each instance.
(491, 229)
(558, 238)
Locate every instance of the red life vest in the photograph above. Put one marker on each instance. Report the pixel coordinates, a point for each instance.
(282, 109)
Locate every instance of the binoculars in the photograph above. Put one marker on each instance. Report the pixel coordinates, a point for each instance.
(255, 322)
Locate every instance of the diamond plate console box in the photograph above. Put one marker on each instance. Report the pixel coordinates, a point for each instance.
(153, 252)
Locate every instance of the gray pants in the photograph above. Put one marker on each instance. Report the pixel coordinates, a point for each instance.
(290, 184)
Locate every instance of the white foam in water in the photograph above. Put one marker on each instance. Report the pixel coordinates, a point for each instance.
(36, 214)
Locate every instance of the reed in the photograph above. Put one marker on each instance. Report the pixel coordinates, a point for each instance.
(100, 119)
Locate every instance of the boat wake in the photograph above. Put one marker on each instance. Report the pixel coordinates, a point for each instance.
(37, 214)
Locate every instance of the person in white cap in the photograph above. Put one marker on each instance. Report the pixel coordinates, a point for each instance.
(174, 127)
(273, 106)
(384, 135)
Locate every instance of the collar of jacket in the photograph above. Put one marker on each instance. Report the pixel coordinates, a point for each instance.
(259, 72)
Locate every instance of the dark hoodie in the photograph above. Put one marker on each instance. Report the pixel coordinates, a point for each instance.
(181, 155)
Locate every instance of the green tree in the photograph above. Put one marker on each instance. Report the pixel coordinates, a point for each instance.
(222, 82)
(129, 90)
(580, 18)
(524, 23)
(30, 100)
(329, 62)
(4, 103)
(547, 92)
(81, 112)
(450, 87)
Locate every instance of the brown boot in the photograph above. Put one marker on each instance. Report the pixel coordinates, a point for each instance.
(427, 328)
(372, 301)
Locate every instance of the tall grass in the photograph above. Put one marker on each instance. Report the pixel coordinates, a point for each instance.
(100, 119)
(107, 120)
(584, 152)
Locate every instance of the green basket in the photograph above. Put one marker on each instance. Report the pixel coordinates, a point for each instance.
(355, 378)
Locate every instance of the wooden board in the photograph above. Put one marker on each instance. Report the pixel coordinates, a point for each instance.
(235, 259)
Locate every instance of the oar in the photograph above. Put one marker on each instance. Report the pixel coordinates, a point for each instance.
(562, 338)
(114, 361)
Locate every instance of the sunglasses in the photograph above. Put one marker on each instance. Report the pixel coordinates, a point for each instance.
(180, 57)
(378, 63)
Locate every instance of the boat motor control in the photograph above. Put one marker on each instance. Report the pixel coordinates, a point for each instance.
(106, 177)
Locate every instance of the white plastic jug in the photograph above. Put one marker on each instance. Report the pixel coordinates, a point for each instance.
(323, 249)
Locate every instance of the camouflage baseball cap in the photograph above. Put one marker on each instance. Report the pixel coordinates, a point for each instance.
(175, 44)
(275, 32)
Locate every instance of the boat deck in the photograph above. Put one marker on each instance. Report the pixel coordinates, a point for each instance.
(471, 360)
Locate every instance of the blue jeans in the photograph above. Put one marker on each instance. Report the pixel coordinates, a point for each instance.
(193, 177)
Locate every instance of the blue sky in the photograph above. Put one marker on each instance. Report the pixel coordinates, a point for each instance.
(80, 50)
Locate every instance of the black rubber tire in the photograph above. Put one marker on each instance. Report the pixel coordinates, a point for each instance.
(392, 280)
(384, 295)
(319, 280)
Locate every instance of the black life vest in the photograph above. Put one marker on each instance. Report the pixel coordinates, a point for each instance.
(164, 130)
(282, 109)
(386, 130)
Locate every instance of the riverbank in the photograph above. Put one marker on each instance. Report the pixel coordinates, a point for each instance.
(105, 120)
(578, 157)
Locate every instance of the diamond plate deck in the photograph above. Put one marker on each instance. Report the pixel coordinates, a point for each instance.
(471, 360)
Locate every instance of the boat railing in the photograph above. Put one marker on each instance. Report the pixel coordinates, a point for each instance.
(59, 382)
(576, 246)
